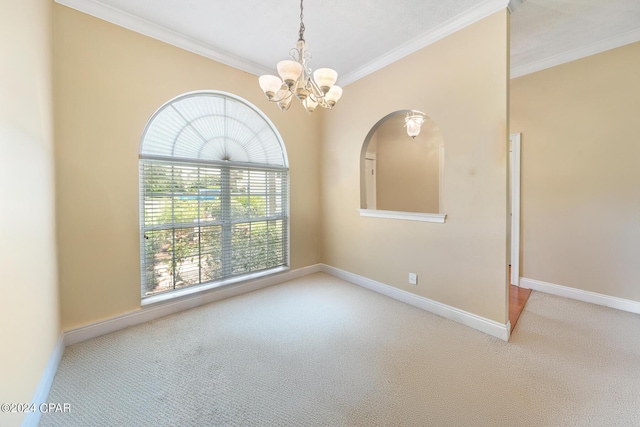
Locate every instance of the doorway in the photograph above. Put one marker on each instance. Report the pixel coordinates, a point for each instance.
(517, 296)
(514, 197)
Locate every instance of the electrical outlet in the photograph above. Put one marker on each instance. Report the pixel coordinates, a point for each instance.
(413, 278)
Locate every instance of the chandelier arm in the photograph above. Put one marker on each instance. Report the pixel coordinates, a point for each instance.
(316, 94)
(319, 100)
(294, 53)
(288, 94)
(316, 90)
(301, 54)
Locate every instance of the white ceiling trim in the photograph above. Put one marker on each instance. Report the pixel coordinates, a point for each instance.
(572, 55)
(102, 11)
(514, 4)
(473, 15)
(133, 23)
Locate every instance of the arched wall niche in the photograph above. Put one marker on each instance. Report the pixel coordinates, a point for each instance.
(402, 177)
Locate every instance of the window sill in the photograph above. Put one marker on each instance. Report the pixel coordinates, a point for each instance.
(172, 295)
(409, 216)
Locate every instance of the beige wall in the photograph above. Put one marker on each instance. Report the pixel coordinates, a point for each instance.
(581, 172)
(29, 324)
(108, 82)
(461, 82)
(408, 169)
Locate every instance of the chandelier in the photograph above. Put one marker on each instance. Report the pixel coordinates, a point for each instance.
(296, 79)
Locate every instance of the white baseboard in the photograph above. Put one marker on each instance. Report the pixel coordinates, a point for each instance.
(482, 324)
(158, 310)
(580, 295)
(161, 309)
(32, 419)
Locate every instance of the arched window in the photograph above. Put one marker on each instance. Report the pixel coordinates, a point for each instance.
(213, 194)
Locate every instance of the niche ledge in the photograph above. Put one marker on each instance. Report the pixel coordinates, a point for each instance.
(409, 216)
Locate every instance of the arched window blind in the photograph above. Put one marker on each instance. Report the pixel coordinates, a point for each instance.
(213, 193)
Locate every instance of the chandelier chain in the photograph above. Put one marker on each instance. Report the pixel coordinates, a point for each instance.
(301, 33)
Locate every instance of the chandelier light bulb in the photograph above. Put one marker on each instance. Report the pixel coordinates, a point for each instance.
(270, 85)
(325, 78)
(333, 95)
(290, 71)
(310, 105)
(284, 99)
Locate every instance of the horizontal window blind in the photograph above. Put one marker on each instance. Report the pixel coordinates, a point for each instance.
(213, 193)
(203, 222)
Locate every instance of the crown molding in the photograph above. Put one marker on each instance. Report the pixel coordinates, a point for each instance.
(514, 4)
(115, 16)
(110, 14)
(575, 54)
(471, 16)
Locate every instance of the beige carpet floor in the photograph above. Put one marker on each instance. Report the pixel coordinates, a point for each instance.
(318, 351)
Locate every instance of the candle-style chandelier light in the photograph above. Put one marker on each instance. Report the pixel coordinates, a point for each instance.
(296, 79)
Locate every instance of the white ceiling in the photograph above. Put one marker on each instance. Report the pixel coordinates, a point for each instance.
(357, 37)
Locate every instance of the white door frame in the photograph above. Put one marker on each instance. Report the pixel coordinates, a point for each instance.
(515, 142)
(370, 182)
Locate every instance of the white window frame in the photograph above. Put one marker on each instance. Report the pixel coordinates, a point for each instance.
(280, 169)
